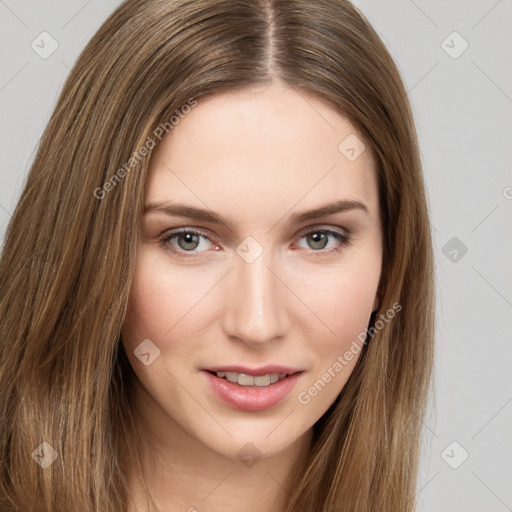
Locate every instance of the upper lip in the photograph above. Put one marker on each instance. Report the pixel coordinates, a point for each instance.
(255, 372)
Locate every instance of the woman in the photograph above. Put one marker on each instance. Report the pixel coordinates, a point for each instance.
(217, 287)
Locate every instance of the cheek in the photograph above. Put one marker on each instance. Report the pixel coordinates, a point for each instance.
(344, 311)
(340, 298)
(148, 308)
(342, 304)
(164, 303)
(335, 348)
(343, 300)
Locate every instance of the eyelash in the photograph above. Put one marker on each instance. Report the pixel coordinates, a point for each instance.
(343, 238)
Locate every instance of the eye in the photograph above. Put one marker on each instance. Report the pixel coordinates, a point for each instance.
(318, 239)
(189, 241)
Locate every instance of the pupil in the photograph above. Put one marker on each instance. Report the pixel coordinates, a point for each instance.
(318, 238)
(189, 239)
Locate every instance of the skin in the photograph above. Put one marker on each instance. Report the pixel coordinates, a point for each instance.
(256, 156)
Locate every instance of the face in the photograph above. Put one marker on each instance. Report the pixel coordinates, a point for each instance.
(235, 273)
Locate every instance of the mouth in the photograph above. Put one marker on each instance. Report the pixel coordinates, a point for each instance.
(249, 392)
(244, 379)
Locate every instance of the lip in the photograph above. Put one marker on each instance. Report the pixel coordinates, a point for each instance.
(255, 372)
(251, 398)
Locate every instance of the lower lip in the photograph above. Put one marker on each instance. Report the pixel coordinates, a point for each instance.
(251, 398)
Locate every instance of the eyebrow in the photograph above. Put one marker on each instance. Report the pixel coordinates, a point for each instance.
(181, 210)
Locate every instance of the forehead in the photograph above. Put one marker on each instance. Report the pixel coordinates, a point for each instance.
(266, 147)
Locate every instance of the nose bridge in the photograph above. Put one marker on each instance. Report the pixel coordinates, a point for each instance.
(256, 309)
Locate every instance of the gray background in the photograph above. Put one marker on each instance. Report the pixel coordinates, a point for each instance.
(462, 103)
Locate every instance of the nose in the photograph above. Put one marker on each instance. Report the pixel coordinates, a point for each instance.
(255, 303)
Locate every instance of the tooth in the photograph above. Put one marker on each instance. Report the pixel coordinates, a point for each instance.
(245, 380)
(262, 380)
(249, 380)
(232, 376)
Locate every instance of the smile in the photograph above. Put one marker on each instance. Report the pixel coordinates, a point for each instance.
(250, 393)
(248, 380)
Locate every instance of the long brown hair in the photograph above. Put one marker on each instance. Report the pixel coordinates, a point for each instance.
(71, 246)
